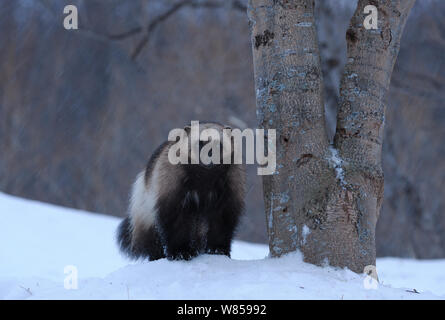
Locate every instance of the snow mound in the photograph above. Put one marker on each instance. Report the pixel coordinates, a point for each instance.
(38, 242)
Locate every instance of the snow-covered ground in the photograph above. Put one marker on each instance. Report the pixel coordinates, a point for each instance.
(38, 242)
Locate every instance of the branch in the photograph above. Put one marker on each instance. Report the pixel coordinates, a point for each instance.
(365, 82)
(208, 4)
(126, 34)
(235, 4)
(154, 23)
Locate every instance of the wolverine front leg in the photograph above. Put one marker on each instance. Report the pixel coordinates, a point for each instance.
(179, 235)
(221, 230)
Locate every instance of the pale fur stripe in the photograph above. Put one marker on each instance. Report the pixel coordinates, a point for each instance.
(142, 203)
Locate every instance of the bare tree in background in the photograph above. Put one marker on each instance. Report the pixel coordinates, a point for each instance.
(324, 199)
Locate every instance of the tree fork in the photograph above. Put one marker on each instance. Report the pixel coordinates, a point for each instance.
(323, 200)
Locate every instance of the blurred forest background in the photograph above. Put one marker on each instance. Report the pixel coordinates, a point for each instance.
(82, 110)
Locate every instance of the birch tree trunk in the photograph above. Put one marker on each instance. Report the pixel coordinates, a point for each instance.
(323, 200)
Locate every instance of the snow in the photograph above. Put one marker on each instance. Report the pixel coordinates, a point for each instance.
(39, 241)
(337, 163)
(305, 233)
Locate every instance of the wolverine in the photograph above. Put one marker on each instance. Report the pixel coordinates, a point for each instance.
(178, 211)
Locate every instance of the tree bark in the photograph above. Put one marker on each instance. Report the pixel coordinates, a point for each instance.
(323, 200)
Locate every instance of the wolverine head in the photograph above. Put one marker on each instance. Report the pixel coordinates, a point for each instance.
(207, 144)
